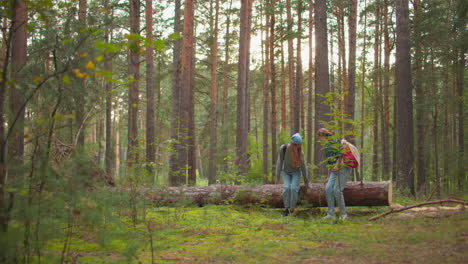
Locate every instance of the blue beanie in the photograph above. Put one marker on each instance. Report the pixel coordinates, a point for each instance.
(296, 139)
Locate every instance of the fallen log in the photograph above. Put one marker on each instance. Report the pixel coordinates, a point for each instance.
(355, 193)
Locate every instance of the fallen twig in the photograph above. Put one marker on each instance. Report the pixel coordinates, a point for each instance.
(416, 205)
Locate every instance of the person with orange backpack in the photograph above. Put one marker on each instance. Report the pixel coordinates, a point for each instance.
(340, 162)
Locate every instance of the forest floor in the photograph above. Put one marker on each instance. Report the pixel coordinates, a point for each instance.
(232, 234)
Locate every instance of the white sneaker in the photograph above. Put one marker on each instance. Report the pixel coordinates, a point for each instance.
(343, 217)
(329, 217)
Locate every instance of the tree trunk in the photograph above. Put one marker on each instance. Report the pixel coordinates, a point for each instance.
(274, 151)
(349, 107)
(293, 117)
(108, 87)
(404, 117)
(187, 107)
(322, 85)
(386, 94)
(134, 72)
(150, 118)
(299, 87)
(243, 86)
(15, 135)
(460, 51)
(283, 89)
(363, 86)
(80, 99)
(176, 176)
(226, 65)
(214, 101)
(266, 97)
(376, 96)
(310, 135)
(420, 103)
(355, 194)
(342, 59)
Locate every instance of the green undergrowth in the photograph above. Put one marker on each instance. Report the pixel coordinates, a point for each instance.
(232, 234)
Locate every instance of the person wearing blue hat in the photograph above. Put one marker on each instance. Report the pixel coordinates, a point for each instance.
(290, 164)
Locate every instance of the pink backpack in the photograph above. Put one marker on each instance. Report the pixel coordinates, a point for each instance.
(351, 155)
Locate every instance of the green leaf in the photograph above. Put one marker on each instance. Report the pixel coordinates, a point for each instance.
(66, 80)
(174, 36)
(158, 44)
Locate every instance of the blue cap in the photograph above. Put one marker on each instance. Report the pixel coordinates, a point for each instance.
(296, 139)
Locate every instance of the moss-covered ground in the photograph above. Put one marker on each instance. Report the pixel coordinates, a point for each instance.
(232, 234)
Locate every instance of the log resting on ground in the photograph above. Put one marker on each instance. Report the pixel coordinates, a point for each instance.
(367, 194)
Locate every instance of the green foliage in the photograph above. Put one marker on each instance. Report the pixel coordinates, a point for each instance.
(250, 235)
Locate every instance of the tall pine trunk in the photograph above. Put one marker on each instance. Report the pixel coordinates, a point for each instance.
(273, 86)
(187, 101)
(108, 87)
(134, 72)
(226, 66)
(404, 116)
(293, 117)
(386, 94)
(322, 84)
(243, 86)
(420, 103)
(214, 100)
(349, 107)
(310, 135)
(176, 177)
(15, 136)
(266, 94)
(299, 87)
(376, 96)
(80, 99)
(150, 116)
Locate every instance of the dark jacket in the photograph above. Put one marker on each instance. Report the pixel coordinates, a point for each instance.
(333, 149)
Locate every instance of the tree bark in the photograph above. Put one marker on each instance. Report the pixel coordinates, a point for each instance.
(420, 103)
(367, 194)
(134, 72)
(243, 86)
(274, 151)
(283, 88)
(176, 177)
(226, 65)
(386, 94)
(266, 97)
(187, 107)
(15, 141)
(150, 118)
(299, 87)
(214, 100)
(376, 96)
(80, 99)
(322, 84)
(293, 116)
(108, 87)
(349, 107)
(363, 86)
(404, 117)
(310, 133)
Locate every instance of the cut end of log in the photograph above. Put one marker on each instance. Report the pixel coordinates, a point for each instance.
(390, 192)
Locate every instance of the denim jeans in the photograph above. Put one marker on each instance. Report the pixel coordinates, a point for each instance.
(334, 190)
(290, 188)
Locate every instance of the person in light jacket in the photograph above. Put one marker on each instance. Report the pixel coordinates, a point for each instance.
(291, 165)
(338, 173)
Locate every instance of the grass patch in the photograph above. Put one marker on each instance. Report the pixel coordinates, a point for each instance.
(232, 234)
